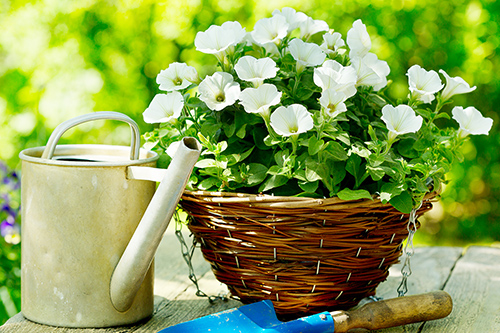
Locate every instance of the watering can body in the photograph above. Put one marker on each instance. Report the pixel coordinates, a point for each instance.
(80, 212)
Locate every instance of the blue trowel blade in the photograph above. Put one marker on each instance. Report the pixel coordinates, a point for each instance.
(257, 317)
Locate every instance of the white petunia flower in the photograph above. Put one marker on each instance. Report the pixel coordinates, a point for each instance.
(291, 120)
(332, 42)
(454, 86)
(358, 40)
(164, 108)
(423, 84)
(342, 79)
(219, 40)
(177, 76)
(310, 27)
(400, 120)
(471, 121)
(334, 64)
(371, 71)
(270, 30)
(255, 70)
(332, 102)
(306, 54)
(293, 18)
(259, 100)
(219, 90)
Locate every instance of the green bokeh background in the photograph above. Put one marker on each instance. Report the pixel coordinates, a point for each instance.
(60, 59)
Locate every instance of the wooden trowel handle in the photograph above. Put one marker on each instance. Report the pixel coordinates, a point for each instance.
(395, 312)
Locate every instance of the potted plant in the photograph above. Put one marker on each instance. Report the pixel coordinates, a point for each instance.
(296, 122)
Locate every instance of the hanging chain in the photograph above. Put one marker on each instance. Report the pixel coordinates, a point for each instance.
(187, 255)
(408, 252)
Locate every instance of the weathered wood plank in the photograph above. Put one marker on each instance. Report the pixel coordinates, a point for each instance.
(475, 289)
(431, 267)
(176, 301)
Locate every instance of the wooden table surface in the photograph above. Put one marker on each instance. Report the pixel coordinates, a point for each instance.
(470, 275)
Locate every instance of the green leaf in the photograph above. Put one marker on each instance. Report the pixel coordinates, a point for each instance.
(275, 170)
(269, 141)
(229, 129)
(304, 94)
(376, 173)
(281, 156)
(402, 202)
(375, 160)
(337, 172)
(390, 190)
(314, 171)
(335, 151)
(420, 185)
(241, 133)
(208, 183)
(353, 165)
(206, 163)
(235, 158)
(405, 148)
(209, 127)
(314, 145)
(221, 146)
(442, 115)
(257, 173)
(372, 133)
(273, 182)
(309, 187)
(348, 194)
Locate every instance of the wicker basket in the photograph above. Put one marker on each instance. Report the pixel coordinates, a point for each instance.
(306, 255)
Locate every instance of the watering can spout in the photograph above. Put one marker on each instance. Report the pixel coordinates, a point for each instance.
(140, 251)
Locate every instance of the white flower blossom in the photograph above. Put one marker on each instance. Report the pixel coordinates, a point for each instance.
(471, 121)
(339, 78)
(219, 90)
(454, 86)
(270, 30)
(334, 64)
(291, 120)
(332, 42)
(423, 84)
(332, 102)
(306, 54)
(310, 27)
(255, 70)
(293, 18)
(400, 120)
(259, 100)
(164, 108)
(371, 71)
(177, 76)
(219, 40)
(358, 40)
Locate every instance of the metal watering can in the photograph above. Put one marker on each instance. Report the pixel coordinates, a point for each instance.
(91, 223)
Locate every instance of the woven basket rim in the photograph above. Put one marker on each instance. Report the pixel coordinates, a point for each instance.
(266, 200)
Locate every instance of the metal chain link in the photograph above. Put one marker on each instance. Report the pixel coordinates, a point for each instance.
(408, 252)
(187, 255)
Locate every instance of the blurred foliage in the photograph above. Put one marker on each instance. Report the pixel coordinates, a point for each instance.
(60, 59)
(10, 249)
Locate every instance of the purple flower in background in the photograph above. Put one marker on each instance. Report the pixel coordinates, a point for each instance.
(9, 205)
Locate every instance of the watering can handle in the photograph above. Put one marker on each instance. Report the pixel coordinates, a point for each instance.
(102, 115)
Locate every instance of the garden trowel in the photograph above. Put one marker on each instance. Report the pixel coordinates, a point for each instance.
(260, 317)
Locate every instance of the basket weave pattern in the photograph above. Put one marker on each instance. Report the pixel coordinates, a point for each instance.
(306, 255)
